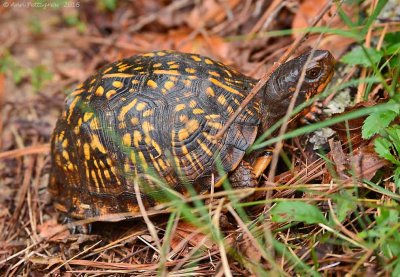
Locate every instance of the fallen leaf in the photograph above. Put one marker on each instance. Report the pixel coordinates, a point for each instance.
(53, 231)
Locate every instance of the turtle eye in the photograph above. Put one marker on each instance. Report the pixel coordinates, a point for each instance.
(313, 73)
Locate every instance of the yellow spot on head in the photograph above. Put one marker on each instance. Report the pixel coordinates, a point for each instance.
(152, 84)
(157, 64)
(135, 82)
(138, 68)
(92, 81)
(117, 84)
(174, 66)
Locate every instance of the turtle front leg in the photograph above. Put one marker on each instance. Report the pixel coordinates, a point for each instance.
(246, 175)
(243, 176)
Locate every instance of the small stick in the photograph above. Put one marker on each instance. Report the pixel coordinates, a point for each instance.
(267, 75)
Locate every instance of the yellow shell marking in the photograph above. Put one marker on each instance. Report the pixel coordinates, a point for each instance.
(190, 70)
(152, 84)
(127, 139)
(147, 127)
(169, 85)
(198, 111)
(117, 75)
(191, 126)
(162, 164)
(126, 109)
(210, 92)
(140, 106)
(148, 113)
(212, 116)
(216, 125)
(137, 137)
(72, 107)
(65, 155)
(135, 82)
(86, 151)
(110, 93)
(117, 84)
(204, 147)
(87, 116)
(184, 150)
(123, 68)
(134, 121)
(174, 66)
(180, 107)
(221, 99)
(65, 143)
(166, 72)
(143, 161)
(225, 87)
(196, 58)
(107, 70)
(107, 174)
(192, 103)
(216, 74)
(99, 91)
(95, 143)
(157, 65)
(208, 61)
(149, 55)
(77, 92)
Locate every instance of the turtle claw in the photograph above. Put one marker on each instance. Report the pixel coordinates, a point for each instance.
(313, 114)
(74, 229)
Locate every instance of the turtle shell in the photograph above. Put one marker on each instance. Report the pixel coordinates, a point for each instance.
(151, 116)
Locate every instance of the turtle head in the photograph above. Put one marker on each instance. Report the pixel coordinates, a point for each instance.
(281, 86)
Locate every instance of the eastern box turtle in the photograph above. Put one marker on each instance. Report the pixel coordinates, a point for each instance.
(155, 115)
